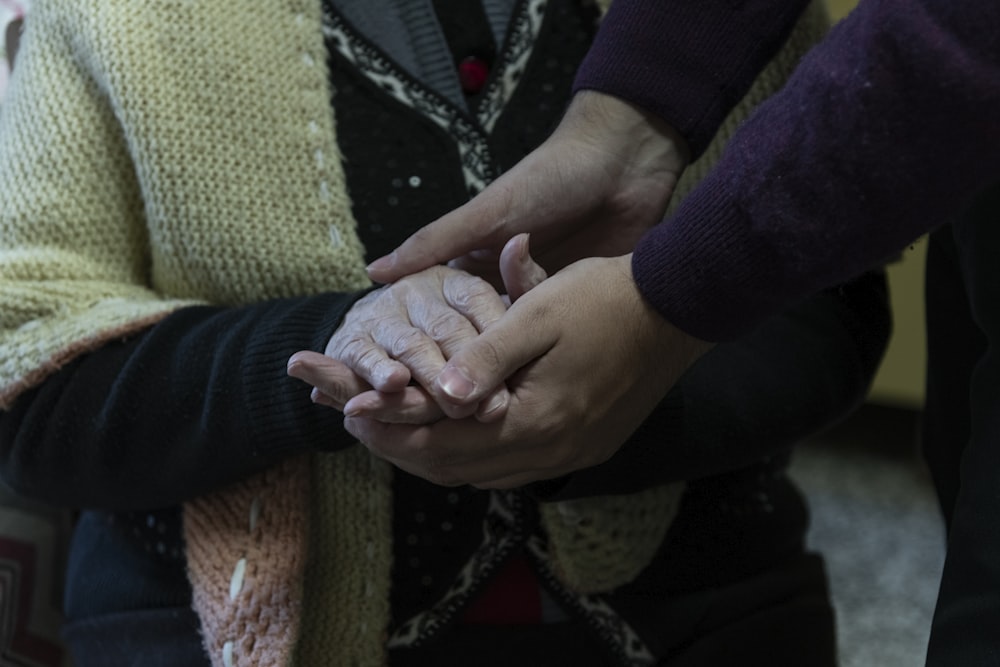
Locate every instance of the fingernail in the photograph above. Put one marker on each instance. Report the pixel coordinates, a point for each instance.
(455, 383)
(382, 263)
(498, 401)
(354, 408)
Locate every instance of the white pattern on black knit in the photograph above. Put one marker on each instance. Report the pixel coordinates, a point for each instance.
(474, 152)
(597, 613)
(520, 42)
(498, 541)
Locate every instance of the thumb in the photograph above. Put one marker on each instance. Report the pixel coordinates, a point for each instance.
(518, 269)
(479, 224)
(486, 361)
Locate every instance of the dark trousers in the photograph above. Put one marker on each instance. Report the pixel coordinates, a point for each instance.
(962, 431)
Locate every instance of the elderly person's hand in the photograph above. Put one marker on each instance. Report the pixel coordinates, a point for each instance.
(603, 178)
(396, 339)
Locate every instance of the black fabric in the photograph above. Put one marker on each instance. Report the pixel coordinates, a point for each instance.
(122, 563)
(545, 84)
(167, 637)
(966, 461)
(200, 400)
(780, 617)
(729, 527)
(551, 645)
(436, 533)
(955, 344)
(466, 29)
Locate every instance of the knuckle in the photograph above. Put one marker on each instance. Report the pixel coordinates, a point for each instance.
(446, 326)
(352, 350)
(404, 341)
(467, 292)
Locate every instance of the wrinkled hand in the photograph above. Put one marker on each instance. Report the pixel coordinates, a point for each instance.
(603, 178)
(401, 333)
(586, 360)
(405, 331)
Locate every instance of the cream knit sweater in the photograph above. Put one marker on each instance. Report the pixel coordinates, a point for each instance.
(162, 154)
(159, 154)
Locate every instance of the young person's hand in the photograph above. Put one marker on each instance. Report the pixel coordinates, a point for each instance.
(585, 359)
(603, 178)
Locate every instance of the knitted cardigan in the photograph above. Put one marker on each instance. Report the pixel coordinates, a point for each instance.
(134, 221)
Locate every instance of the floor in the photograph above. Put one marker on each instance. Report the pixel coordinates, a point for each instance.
(876, 520)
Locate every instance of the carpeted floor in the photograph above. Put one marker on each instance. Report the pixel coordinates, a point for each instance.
(876, 520)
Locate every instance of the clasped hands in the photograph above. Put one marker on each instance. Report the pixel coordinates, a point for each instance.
(436, 374)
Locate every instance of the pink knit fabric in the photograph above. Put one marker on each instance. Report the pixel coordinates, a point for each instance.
(246, 548)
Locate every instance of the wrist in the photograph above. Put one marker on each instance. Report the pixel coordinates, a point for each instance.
(660, 341)
(651, 142)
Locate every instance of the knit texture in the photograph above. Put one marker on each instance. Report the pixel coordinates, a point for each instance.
(347, 577)
(137, 192)
(245, 559)
(142, 185)
(810, 29)
(600, 543)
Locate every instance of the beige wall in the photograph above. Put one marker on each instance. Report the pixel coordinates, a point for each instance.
(900, 380)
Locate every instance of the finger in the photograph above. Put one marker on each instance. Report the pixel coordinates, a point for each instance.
(523, 334)
(334, 380)
(370, 359)
(413, 348)
(410, 406)
(512, 481)
(519, 271)
(494, 406)
(480, 223)
(423, 359)
(447, 452)
(469, 306)
(401, 445)
(319, 398)
(474, 298)
(409, 448)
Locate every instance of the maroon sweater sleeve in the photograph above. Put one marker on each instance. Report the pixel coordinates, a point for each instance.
(886, 130)
(688, 61)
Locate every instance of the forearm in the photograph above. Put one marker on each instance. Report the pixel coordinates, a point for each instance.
(885, 131)
(687, 61)
(200, 400)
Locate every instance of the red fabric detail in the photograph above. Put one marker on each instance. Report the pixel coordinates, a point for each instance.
(513, 597)
(472, 74)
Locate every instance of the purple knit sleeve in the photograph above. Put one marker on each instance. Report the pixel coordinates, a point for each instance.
(884, 132)
(688, 61)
